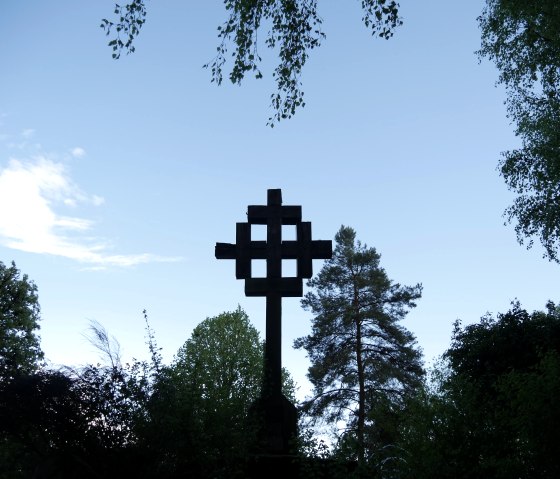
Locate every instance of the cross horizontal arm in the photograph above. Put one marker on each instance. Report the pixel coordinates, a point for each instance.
(321, 249)
(260, 214)
(225, 251)
(290, 250)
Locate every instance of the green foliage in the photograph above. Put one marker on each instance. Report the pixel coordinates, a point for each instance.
(20, 351)
(223, 361)
(316, 459)
(59, 424)
(198, 413)
(37, 416)
(112, 400)
(142, 419)
(294, 29)
(512, 341)
(219, 368)
(68, 422)
(522, 37)
(491, 410)
(501, 363)
(533, 413)
(362, 360)
(434, 438)
(131, 19)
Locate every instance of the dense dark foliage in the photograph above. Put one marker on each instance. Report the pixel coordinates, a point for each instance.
(58, 424)
(199, 409)
(143, 419)
(491, 411)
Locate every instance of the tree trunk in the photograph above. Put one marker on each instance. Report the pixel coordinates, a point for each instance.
(361, 382)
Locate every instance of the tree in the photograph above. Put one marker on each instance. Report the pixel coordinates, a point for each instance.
(361, 357)
(85, 422)
(522, 37)
(509, 365)
(201, 402)
(59, 424)
(20, 350)
(39, 419)
(223, 361)
(220, 368)
(491, 411)
(294, 28)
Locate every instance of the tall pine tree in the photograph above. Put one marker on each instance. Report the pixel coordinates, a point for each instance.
(361, 357)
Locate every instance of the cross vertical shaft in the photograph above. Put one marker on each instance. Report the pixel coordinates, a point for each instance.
(273, 345)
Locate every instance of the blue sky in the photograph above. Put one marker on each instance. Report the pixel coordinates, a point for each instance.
(117, 178)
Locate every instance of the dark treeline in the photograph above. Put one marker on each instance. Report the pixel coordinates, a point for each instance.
(143, 419)
(487, 410)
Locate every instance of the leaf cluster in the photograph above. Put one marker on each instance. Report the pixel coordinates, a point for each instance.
(223, 361)
(20, 351)
(294, 29)
(511, 341)
(490, 410)
(131, 18)
(56, 423)
(522, 37)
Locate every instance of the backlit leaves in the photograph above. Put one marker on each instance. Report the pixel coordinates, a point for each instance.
(292, 29)
(522, 37)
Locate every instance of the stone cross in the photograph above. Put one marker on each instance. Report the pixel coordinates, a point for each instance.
(274, 286)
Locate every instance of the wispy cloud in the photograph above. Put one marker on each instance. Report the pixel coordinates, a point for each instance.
(28, 133)
(31, 191)
(78, 152)
(23, 141)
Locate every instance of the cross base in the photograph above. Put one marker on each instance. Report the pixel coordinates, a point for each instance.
(275, 418)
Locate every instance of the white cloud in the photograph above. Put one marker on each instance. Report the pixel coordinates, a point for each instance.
(78, 152)
(28, 133)
(29, 194)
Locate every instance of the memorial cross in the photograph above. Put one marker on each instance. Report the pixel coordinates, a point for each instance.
(274, 286)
